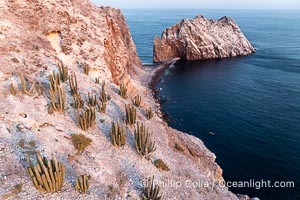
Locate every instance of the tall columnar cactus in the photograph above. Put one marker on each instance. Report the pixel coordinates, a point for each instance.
(143, 143)
(137, 100)
(12, 89)
(86, 119)
(58, 98)
(77, 102)
(103, 95)
(97, 80)
(123, 91)
(63, 72)
(101, 107)
(149, 113)
(82, 183)
(73, 85)
(151, 191)
(130, 114)
(103, 85)
(92, 100)
(47, 176)
(86, 68)
(24, 87)
(54, 81)
(118, 134)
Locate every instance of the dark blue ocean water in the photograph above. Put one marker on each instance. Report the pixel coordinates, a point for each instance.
(252, 103)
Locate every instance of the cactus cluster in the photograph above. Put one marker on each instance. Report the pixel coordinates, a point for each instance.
(86, 118)
(149, 113)
(63, 72)
(101, 107)
(143, 143)
(92, 100)
(57, 94)
(54, 81)
(86, 68)
(30, 91)
(82, 184)
(123, 91)
(73, 85)
(137, 100)
(130, 114)
(77, 103)
(151, 191)
(103, 95)
(47, 176)
(118, 134)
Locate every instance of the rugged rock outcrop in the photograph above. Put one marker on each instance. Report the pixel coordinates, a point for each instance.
(37, 34)
(200, 39)
(66, 30)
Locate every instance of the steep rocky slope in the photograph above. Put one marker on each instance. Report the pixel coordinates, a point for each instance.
(200, 39)
(35, 35)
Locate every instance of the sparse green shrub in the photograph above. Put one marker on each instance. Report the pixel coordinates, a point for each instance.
(22, 143)
(92, 100)
(18, 187)
(47, 176)
(130, 114)
(160, 164)
(101, 107)
(77, 103)
(151, 191)
(86, 119)
(73, 85)
(12, 89)
(143, 143)
(149, 113)
(80, 142)
(118, 134)
(137, 100)
(32, 144)
(82, 184)
(63, 72)
(179, 147)
(29, 92)
(123, 91)
(13, 191)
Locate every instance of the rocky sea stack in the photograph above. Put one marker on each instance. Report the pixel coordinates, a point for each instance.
(201, 39)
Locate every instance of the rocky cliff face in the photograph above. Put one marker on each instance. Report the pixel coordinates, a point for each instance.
(41, 33)
(37, 34)
(200, 39)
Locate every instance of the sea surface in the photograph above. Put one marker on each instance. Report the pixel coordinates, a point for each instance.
(251, 104)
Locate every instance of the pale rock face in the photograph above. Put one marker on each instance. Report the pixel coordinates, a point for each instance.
(68, 31)
(200, 39)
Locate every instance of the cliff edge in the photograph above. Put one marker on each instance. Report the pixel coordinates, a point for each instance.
(200, 39)
(39, 35)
